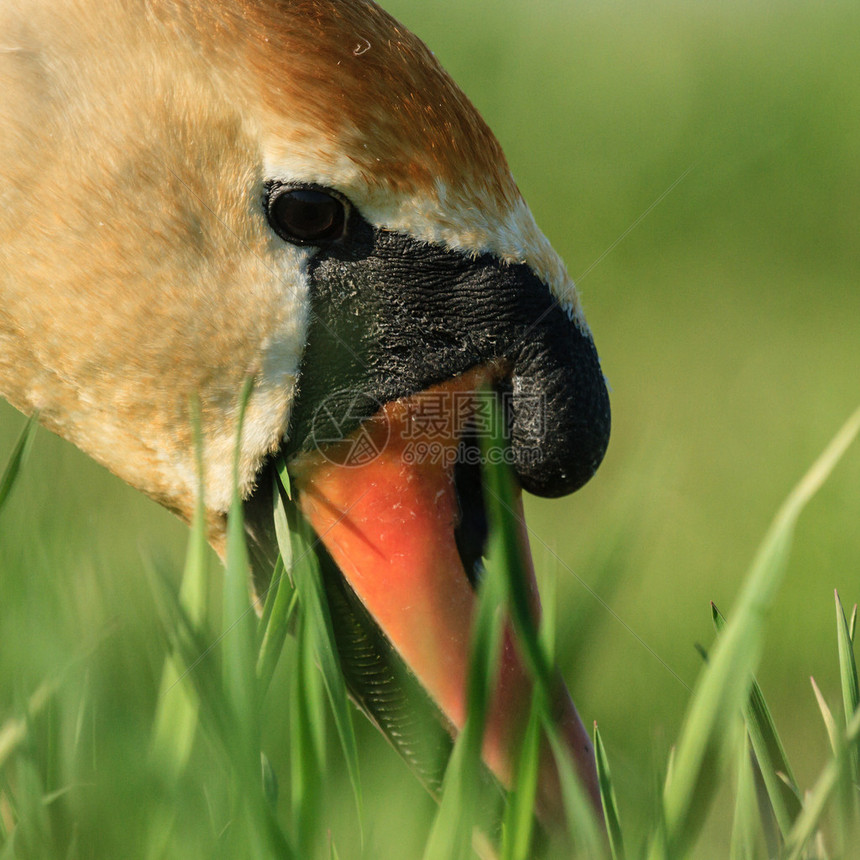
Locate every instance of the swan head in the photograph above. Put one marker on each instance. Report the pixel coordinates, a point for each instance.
(296, 192)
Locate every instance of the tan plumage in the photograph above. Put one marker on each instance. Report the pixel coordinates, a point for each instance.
(139, 272)
(136, 267)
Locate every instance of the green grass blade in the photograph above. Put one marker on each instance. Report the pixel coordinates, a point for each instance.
(840, 755)
(850, 698)
(847, 674)
(239, 658)
(33, 828)
(310, 700)
(504, 546)
(313, 696)
(193, 650)
(724, 683)
(744, 829)
(549, 613)
(252, 820)
(307, 732)
(13, 733)
(809, 820)
(307, 691)
(314, 605)
(176, 713)
(271, 788)
(852, 624)
(501, 507)
(17, 458)
(177, 706)
(776, 773)
(281, 601)
(827, 716)
(579, 813)
(269, 602)
(451, 833)
(519, 820)
(670, 767)
(257, 829)
(518, 825)
(607, 797)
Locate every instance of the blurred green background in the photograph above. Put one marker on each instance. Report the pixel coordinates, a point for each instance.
(698, 167)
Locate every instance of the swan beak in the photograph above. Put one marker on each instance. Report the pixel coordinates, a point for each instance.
(393, 505)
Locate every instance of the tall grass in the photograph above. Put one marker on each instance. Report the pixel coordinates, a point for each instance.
(728, 742)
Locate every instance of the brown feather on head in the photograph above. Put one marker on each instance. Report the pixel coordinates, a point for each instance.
(141, 268)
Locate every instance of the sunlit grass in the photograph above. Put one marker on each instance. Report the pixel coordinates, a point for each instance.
(227, 706)
(17, 459)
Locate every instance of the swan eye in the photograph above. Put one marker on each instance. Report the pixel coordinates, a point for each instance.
(306, 216)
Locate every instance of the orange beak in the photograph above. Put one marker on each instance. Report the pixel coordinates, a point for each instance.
(386, 504)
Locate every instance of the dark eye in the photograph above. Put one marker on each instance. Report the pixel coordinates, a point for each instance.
(306, 216)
